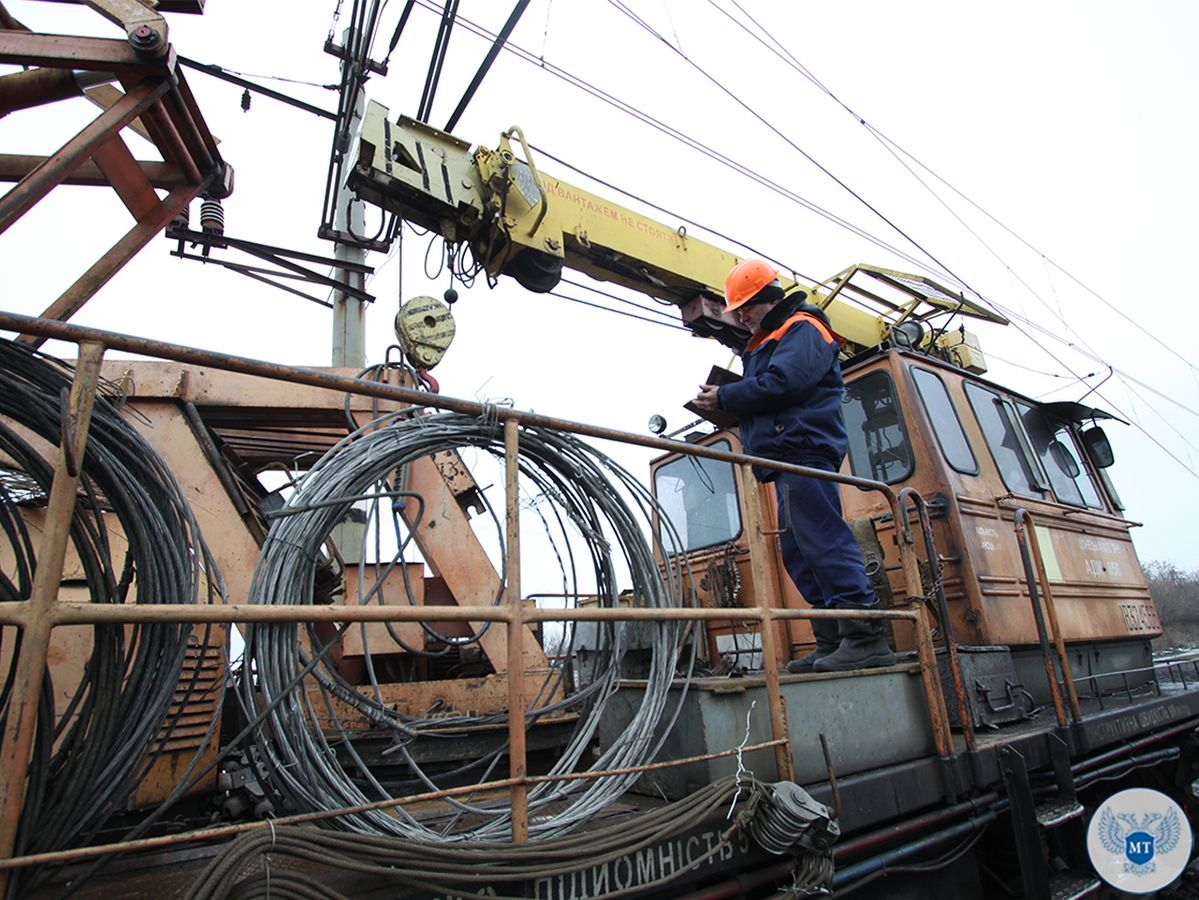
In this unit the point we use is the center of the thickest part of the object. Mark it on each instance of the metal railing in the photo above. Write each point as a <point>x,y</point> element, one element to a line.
<point>1045,612</point>
<point>43,612</point>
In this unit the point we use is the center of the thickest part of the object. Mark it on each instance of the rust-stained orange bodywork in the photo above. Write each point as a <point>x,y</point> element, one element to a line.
<point>1093,576</point>
<point>1098,587</point>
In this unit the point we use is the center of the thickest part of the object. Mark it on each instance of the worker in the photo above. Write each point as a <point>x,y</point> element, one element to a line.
<point>788,402</point>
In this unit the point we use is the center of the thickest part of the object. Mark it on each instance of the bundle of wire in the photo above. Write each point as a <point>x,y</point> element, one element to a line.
<point>304,762</point>
<point>282,862</point>
<point>90,756</point>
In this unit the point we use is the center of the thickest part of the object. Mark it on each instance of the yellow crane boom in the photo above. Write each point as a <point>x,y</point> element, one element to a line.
<point>528,224</point>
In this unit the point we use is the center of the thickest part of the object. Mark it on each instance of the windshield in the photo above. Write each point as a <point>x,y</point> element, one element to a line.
<point>699,497</point>
<point>1006,441</point>
<point>878,440</point>
<point>1055,446</point>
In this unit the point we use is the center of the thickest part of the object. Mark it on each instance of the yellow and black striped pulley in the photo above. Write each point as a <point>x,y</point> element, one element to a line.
<point>425,328</point>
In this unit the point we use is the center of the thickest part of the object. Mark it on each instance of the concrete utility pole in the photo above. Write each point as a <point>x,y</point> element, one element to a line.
<point>349,312</point>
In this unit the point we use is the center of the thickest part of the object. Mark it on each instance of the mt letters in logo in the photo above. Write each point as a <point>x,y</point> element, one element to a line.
<point>1139,840</point>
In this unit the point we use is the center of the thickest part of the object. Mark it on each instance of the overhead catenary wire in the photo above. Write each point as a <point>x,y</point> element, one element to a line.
<point>619,312</point>
<point>745,170</point>
<point>622,7</point>
<point>678,135</point>
<point>1193,471</point>
<point>899,153</point>
<point>629,109</point>
<point>361,16</point>
<point>749,173</point>
<point>949,272</point>
<point>896,149</point>
<point>732,95</point>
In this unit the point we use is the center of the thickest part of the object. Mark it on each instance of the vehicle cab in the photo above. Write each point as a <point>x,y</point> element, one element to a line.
<point>985,460</point>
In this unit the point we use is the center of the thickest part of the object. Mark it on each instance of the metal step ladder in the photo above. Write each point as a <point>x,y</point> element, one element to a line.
<point>1032,820</point>
<point>1057,810</point>
<point>1069,885</point>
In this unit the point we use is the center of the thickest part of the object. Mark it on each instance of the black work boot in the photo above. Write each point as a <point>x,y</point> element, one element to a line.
<point>828,638</point>
<point>863,646</point>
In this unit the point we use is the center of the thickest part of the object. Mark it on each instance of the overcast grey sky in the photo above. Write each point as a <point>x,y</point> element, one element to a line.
<point>1071,123</point>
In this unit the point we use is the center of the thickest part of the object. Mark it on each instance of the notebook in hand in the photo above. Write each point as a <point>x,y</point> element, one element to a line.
<point>719,417</point>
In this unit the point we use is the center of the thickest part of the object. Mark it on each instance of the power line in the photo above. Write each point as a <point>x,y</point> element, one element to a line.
<point>661,312</point>
<point>746,171</point>
<point>618,312</point>
<point>680,136</point>
<point>1091,355</point>
<point>618,4</point>
<point>896,150</point>
<point>664,211</point>
<point>891,144</point>
<point>891,147</point>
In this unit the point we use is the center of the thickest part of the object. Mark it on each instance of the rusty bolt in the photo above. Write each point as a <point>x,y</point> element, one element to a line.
<point>144,38</point>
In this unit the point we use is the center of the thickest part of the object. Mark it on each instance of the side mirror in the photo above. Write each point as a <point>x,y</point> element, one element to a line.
<point>1098,447</point>
<point>1064,459</point>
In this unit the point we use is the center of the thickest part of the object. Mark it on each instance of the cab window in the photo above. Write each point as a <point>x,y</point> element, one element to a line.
<point>699,498</point>
<point>946,425</point>
<point>1007,442</point>
<point>878,441</point>
<point>1055,446</point>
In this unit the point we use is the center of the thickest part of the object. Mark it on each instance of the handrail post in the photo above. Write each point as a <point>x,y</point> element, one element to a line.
<point>779,729</point>
<point>21,726</point>
<point>517,759</point>
<point>951,647</point>
<point>930,675</point>
<point>938,714</point>
<point>1043,609</point>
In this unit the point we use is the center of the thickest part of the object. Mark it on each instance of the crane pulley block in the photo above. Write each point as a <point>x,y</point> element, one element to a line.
<point>425,328</point>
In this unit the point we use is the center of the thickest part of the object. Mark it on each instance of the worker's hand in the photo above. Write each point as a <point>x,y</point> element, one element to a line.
<point>706,399</point>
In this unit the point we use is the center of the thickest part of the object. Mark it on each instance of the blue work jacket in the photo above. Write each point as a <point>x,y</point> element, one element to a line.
<point>789,397</point>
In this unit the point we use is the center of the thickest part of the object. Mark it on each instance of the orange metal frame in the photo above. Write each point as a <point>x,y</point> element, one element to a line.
<point>156,93</point>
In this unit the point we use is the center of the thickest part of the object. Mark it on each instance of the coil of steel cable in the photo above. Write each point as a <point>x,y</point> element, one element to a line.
<point>600,501</point>
<point>89,757</point>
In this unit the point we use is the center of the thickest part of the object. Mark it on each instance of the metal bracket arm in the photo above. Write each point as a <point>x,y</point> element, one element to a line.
<point>146,28</point>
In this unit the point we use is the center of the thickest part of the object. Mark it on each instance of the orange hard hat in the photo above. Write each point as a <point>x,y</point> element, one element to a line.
<point>746,281</point>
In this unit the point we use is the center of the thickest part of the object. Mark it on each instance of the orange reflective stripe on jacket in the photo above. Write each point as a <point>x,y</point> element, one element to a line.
<point>759,339</point>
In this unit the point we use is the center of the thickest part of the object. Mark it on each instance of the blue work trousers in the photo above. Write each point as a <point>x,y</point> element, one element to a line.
<point>819,550</point>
